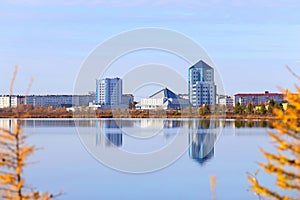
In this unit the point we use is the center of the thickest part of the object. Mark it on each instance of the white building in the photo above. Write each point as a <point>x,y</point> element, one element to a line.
<point>109,91</point>
<point>164,99</point>
<point>183,96</point>
<point>225,100</point>
<point>202,88</point>
<point>8,101</point>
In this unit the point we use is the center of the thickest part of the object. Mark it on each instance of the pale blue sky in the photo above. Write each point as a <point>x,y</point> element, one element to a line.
<point>249,41</point>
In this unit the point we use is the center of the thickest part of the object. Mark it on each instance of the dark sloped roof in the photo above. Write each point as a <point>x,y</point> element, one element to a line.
<point>166,93</point>
<point>200,64</point>
<point>170,98</point>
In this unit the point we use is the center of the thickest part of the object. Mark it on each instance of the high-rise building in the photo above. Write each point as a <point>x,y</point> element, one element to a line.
<point>202,88</point>
<point>109,91</point>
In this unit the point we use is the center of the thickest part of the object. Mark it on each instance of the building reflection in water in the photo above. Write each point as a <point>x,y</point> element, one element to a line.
<point>7,124</point>
<point>202,137</point>
<point>159,124</point>
<point>202,134</point>
<point>109,132</point>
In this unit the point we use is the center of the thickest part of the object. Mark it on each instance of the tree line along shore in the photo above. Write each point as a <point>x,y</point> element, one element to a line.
<point>238,112</point>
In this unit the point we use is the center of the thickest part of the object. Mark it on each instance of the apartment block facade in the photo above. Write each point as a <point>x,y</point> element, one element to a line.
<point>8,101</point>
<point>258,98</point>
<point>202,88</point>
<point>109,91</point>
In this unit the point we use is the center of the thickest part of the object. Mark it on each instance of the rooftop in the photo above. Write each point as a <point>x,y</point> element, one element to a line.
<point>164,93</point>
<point>260,94</point>
<point>200,64</point>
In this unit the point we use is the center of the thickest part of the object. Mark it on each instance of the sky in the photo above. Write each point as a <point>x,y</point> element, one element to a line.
<point>250,42</point>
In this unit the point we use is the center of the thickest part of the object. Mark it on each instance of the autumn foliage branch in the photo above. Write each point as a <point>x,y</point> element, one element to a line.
<point>13,159</point>
<point>285,163</point>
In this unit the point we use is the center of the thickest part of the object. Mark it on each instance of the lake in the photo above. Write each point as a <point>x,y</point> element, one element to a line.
<point>145,158</point>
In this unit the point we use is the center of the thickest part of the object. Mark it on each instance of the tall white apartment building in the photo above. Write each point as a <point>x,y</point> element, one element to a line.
<point>109,91</point>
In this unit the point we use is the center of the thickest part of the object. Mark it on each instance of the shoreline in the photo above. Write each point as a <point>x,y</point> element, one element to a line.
<point>208,116</point>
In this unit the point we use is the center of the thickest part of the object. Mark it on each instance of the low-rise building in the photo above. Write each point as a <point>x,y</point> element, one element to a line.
<point>164,99</point>
<point>127,99</point>
<point>183,96</point>
<point>225,100</point>
<point>59,100</point>
<point>49,100</point>
<point>8,101</point>
<point>257,98</point>
<point>83,100</point>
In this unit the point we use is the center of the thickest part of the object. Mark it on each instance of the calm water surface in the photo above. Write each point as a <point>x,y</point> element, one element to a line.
<point>65,164</point>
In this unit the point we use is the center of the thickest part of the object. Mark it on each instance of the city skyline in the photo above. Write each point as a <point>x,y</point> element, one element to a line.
<point>143,99</point>
<point>250,42</point>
